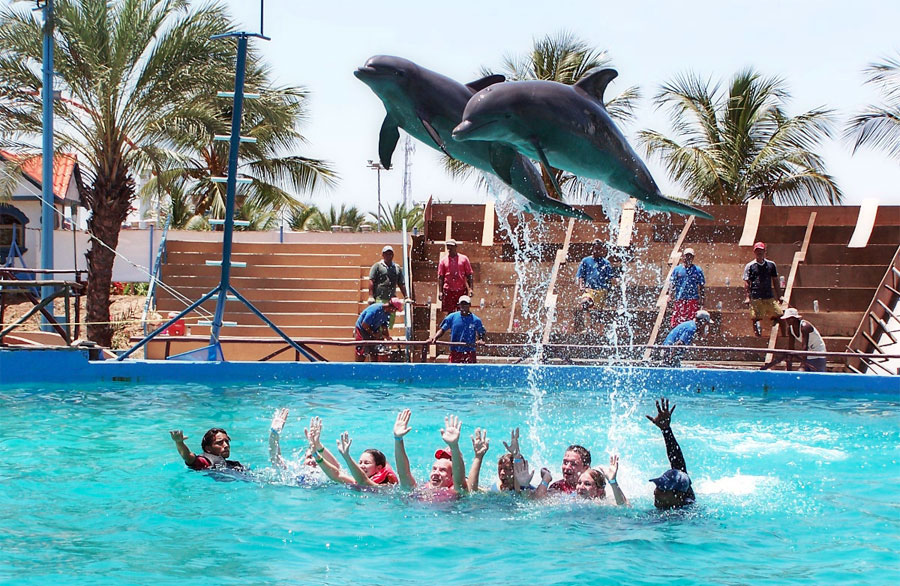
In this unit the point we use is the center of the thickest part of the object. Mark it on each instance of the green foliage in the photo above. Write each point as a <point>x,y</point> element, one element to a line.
<point>392,218</point>
<point>736,143</point>
<point>878,126</point>
<point>312,218</point>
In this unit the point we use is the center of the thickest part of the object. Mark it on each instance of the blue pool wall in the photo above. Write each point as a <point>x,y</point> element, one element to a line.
<point>27,367</point>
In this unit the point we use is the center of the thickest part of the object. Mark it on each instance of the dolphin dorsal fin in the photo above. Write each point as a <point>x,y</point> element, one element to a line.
<point>595,82</point>
<point>480,84</point>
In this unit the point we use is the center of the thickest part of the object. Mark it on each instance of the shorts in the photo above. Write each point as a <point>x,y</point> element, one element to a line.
<point>450,299</point>
<point>462,357</point>
<point>598,296</point>
<point>360,335</point>
<point>815,364</point>
<point>760,308</point>
<point>683,310</point>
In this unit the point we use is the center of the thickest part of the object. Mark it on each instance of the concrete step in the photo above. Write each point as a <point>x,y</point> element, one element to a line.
<point>241,282</point>
<point>283,271</point>
<point>267,306</point>
<point>195,257</point>
<point>271,294</point>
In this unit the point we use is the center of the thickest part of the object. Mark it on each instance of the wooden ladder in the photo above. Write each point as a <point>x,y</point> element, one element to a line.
<point>875,330</point>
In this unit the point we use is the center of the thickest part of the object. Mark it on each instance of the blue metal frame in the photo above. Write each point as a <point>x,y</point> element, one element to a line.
<point>224,287</point>
<point>47,209</point>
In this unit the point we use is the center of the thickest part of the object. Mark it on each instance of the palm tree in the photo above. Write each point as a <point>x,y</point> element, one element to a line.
<point>134,70</point>
<point>563,58</point>
<point>337,217</point>
<point>737,144</point>
<point>879,126</point>
<point>301,216</point>
<point>392,217</point>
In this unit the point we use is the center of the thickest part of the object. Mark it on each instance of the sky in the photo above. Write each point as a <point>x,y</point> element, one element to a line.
<point>819,48</point>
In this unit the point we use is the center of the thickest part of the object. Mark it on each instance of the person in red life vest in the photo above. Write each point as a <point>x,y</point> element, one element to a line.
<point>576,461</point>
<point>592,483</point>
<point>464,326</point>
<point>216,447</point>
<point>454,278</point>
<point>448,472</point>
<point>371,470</point>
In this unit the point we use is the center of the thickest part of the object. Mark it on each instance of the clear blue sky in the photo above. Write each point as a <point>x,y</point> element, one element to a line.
<point>819,47</point>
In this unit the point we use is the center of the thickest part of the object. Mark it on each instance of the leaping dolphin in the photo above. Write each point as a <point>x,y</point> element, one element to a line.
<point>566,127</point>
<point>428,106</point>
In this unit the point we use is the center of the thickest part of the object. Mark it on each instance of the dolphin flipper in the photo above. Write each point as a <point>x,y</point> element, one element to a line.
<point>502,159</point>
<point>548,169</point>
<point>387,141</point>
<point>480,84</point>
<point>434,135</point>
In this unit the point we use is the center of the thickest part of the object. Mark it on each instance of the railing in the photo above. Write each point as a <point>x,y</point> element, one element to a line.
<point>11,283</point>
<point>880,311</point>
<point>154,277</point>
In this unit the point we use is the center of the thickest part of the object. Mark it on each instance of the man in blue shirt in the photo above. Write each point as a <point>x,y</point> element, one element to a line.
<point>594,277</point>
<point>686,289</point>
<point>465,327</point>
<point>683,335</point>
<point>372,324</point>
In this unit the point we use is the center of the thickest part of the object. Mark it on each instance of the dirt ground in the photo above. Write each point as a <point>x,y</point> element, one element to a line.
<point>125,313</point>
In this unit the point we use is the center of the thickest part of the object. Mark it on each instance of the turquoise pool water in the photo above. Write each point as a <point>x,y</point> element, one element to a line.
<point>792,488</point>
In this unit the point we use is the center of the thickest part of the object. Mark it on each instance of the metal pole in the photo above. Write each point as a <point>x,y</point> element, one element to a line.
<point>233,152</point>
<point>378,172</point>
<point>47,197</point>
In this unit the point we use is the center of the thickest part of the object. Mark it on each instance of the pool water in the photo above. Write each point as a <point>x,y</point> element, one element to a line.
<point>798,488</point>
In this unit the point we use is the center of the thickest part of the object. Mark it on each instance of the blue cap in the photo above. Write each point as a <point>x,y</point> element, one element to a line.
<point>674,480</point>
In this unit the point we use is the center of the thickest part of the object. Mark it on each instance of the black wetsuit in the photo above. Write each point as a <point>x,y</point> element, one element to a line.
<point>676,460</point>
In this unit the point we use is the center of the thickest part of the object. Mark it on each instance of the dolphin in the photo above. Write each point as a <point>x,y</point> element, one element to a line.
<point>566,127</point>
<point>428,105</point>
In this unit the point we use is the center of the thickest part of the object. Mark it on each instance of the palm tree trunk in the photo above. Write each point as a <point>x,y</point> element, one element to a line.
<point>109,205</point>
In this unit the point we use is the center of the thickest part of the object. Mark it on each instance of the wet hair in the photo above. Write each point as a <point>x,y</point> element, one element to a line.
<point>505,460</point>
<point>378,456</point>
<point>209,437</point>
<point>581,451</point>
<point>599,479</point>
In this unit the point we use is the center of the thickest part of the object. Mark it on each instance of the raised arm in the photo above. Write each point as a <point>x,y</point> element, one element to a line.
<point>185,452</point>
<point>450,435</point>
<point>314,435</point>
<point>663,422</point>
<point>480,444</point>
<point>358,476</point>
<point>610,474</point>
<point>401,428</point>
<point>278,421</point>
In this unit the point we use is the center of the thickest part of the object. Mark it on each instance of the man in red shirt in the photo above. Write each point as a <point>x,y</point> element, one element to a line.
<point>454,278</point>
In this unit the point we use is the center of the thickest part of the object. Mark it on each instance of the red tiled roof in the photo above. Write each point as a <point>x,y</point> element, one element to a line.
<point>63,167</point>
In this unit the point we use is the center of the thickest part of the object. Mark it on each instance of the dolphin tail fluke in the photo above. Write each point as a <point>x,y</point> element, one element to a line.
<point>665,204</point>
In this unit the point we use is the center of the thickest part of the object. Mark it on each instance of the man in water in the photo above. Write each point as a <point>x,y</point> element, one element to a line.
<point>216,447</point>
<point>686,288</point>
<point>576,460</point>
<point>464,326</point>
<point>448,473</point>
<point>762,288</point>
<point>372,324</point>
<point>683,335</point>
<point>800,330</point>
<point>673,487</point>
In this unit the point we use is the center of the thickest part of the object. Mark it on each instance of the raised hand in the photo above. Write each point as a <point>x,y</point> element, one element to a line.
<point>450,432</point>
<point>401,426</point>
<point>546,476</point>
<point>178,436</point>
<point>314,433</point>
<point>664,414</point>
<point>613,469</point>
<point>521,471</point>
<point>343,444</point>
<point>513,446</point>
<point>279,419</point>
<point>480,442</point>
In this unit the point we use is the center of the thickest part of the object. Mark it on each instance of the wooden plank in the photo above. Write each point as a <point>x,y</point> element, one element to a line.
<point>884,327</point>
<point>662,301</point>
<point>550,300</point>
<point>512,309</point>
<point>865,221</point>
<point>626,224</point>
<point>883,292</point>
<point>448,227</point>
<point>751,222</point>
<point>487,230</point>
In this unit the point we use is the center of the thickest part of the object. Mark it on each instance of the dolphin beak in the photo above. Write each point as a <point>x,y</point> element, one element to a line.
<point>365,71</point>
<point>463,129</point>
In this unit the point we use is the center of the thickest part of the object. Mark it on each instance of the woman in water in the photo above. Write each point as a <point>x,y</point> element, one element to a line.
<point>592,483</point>
<point>371,470</point>
<point>448,472</point>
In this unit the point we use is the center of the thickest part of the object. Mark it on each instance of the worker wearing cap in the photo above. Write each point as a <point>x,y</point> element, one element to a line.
<point>761,286</point>
<point>384,278</point>
<point>454,278</point>
<point>464,326</point>
<point>683,335</point>
<point>595,275</point>
<point>686,289</point>
<point>372,324</point>
<point>800,330</point>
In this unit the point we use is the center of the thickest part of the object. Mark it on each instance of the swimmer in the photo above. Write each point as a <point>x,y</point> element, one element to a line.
<point>329,464</point>
<point>673,487</point>
<point>216,447</point>
<point>576,460</point>
<point>303,473</point>
<point>513,473</point>
<point>372,469</point>
<point>592,483</point>
<point>448,473</point>
<point>480,445</point>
